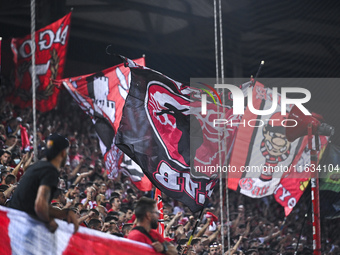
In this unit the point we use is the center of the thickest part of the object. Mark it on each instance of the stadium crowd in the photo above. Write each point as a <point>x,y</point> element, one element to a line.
<point>106,205</point>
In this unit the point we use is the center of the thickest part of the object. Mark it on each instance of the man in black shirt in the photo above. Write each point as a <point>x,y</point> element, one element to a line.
<point>34,193</point>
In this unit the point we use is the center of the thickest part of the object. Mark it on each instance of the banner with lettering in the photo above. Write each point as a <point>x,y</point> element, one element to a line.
<point>159,132</point>
<point>51,45</point>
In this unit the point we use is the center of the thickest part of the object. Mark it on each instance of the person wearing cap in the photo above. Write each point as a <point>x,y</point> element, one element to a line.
<point>34,193</point>
<point>214,248</point>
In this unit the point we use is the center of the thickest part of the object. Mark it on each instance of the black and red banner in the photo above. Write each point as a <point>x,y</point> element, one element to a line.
<point>156,130</point>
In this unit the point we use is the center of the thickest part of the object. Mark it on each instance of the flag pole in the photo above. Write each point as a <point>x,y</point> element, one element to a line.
<point>195,227</point>
<point>315,190</point>
<point>35,145</point>
<point>258,72</point>
<point>217,81</point>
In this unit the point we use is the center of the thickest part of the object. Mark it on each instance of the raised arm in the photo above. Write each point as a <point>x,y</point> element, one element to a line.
<point>204,228</point>
<point>172,222</point>
<point>28,161</point>
<point>76,169</point>
<point>47,213</point>
<point>81,176</point>
<point>17,167</point>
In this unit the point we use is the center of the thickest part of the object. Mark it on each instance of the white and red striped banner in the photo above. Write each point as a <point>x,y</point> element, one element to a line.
<point>22,234</point>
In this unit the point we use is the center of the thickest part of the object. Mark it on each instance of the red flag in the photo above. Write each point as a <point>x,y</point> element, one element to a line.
<point>102,96</point>
<point>25,143</point>
<point>266,162</point>
<point>159,199</point>
<point>51,44</point>
<point>291,188</point>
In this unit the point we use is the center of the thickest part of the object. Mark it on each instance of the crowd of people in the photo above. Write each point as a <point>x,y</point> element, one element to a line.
<point>114,206</point>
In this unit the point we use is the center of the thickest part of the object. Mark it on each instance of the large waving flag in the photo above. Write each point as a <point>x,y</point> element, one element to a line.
<point>161,130</point>
<point>266,162</point>
<point>51,46</point>
<point>102,96</point>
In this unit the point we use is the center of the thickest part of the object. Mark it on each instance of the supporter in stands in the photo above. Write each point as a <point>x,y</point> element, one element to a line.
<point>3,173</point>
<point>197,246</point>
<point>257,221</point>
<point>2,198</point>
<point>11,142</point>
<point>95,224</point>
<point>147,221</point>
<point>10,179</point>
<point>115,202</point>
<point>34,193</point>
<point>90,201</point>
<point>121,219</point>
<point>129,214</point>
<point>126,229</point>
<point>59,197</point>
<point>5,158</point>
<point>2,133</point>
<point>13,127</point>
<point>110,226</point>
<point>74,156</point>
<point>214,249</point>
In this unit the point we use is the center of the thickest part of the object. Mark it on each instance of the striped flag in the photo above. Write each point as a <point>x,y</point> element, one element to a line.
<point>22,234</point>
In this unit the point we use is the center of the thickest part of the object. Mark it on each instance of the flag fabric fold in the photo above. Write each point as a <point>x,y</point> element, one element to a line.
<point>25,142</point>
<point>266,162</point>
<point>160,133</point>
<point>102,96</point>
<point>51,46</point>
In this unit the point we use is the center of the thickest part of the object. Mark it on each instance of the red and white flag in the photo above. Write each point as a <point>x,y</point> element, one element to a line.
<point>51,45</point>
<point>159,199</point>
<point>25,142</point>
<point>22,234</point>
<point>102,96</point>
<point>265,162</point>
